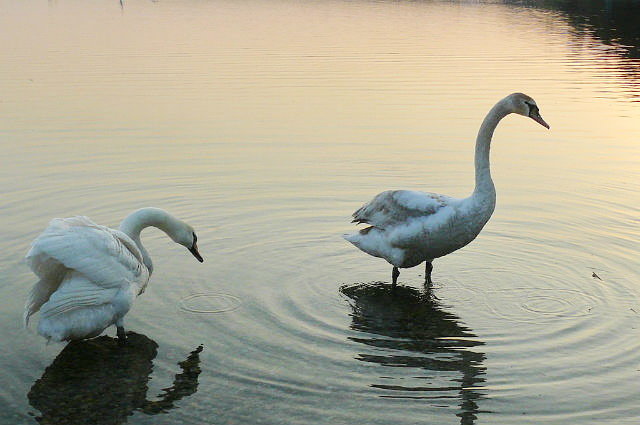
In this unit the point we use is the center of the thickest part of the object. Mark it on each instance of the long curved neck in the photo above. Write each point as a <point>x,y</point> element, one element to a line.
<point>138,220</point>
<point>484,184</point>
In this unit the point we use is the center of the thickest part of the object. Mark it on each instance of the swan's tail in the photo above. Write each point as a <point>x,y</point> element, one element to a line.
<point>350,237</point>
<point>357,237</point>
<point>369,240</point>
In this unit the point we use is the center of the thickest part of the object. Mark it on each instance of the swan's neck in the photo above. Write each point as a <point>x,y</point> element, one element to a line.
<point>138,220</point>
<point>484,184</point>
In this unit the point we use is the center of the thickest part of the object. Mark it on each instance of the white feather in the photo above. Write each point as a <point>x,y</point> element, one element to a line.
<point>91,274</point>
<point>409,227</point>
<point>82,267</point>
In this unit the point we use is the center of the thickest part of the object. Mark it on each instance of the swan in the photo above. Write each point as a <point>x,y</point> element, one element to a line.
<point>91,274</point>
<point>408,227</point>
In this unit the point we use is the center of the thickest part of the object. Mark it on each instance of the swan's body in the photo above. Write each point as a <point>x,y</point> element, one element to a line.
<point>410,227</point>
<point>91,274</point>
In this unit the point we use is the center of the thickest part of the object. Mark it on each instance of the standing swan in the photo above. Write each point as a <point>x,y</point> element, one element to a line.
<point>408,227</point>
<point>90,274</point>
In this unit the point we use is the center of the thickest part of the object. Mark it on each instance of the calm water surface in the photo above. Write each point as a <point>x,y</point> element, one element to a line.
<point>264,124</point>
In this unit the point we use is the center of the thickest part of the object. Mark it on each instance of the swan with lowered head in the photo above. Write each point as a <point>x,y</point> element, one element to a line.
<point>408,227</point>
<point>90,274</point>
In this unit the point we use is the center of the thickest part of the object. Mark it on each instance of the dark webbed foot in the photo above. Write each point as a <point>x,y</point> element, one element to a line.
<point>427,273</point>
<point>122,337</point>
<point>394,277</point>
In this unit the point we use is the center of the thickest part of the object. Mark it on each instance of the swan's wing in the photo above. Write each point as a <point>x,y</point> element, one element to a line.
<point>106,257</point>
<point>81,309</point>
<point>39,294</point>
<point>101,254</point>
<point>397,206</point>
<point>77,292</point>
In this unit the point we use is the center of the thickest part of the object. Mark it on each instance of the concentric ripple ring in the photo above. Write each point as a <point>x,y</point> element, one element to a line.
<point>219,303</point>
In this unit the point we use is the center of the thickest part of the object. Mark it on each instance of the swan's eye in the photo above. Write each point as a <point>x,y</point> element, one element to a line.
<point>195,238</point>
<point>533,109</point>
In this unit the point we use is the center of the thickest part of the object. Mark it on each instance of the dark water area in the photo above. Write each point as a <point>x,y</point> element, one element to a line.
<point>614,22</point>
<point>417,332</point>
<point>100,381</point>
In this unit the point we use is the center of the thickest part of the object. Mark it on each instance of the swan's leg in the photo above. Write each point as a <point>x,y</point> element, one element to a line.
<point>427,273</point>
<point>394,276</point>
<point>122,337</point>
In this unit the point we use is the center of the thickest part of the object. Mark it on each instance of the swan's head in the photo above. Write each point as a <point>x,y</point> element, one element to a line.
<point>179,231</point>
<point>522,104</point>
<point>186,236</point>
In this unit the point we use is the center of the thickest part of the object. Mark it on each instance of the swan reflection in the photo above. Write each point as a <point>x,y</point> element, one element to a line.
<point>100,382</point>
<point>413,330</point>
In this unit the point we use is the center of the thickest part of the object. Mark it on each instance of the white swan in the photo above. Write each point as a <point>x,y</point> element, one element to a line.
<point>90,274</point>
<point>409,227</point>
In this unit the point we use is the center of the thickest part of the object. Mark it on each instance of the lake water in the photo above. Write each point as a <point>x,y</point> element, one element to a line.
<point>265,124</point>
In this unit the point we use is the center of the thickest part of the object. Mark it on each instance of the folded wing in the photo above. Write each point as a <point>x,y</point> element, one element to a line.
<point>394,207</point>
<point>104,257</point>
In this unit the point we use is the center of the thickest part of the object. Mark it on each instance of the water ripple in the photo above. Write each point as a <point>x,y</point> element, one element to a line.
<point>209,303</point>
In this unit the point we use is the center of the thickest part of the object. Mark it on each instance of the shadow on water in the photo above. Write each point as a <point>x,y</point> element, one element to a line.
<point>413,330</point>
<point>99,382</point>
<point>612,22</point>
